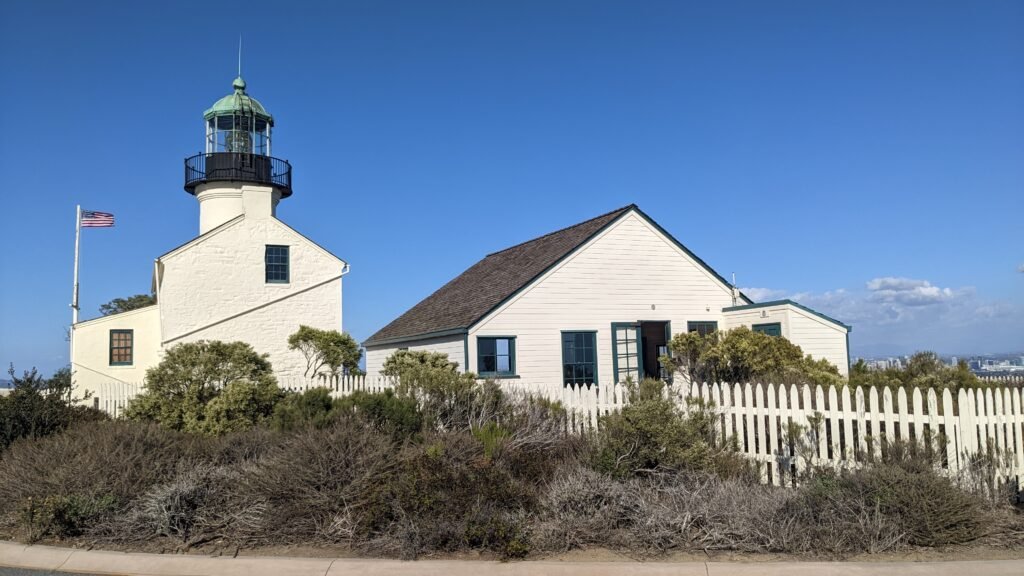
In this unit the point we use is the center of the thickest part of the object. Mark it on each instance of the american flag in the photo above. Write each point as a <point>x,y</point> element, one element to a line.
<point>93,219</point>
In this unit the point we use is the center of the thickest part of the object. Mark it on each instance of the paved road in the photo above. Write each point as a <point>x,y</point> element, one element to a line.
<point>45,559</point>
<point>26,572</point>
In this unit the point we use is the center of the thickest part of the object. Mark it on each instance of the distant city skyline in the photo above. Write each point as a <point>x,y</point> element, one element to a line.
<point>864,159</point>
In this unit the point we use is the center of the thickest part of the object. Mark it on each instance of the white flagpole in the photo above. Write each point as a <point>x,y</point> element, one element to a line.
<point>74,296</point>
<point>78,234</point>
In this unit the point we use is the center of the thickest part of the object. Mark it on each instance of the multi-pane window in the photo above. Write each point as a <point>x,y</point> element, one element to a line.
<point>276,262</point>
<point>496,356</point>
<point>121,343</point>
<point>626,344</point>
<point>772,329</point>
<point>579,358</point>
<point>702,327</point>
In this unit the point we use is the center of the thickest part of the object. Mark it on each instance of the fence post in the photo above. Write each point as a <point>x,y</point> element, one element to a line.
<point>903,413</point>
<point>862,446</point>
<point>748,420</point>
<point>876,424</point>
<point>763,449</point>
<point>819,407</point>
<point>1017,423</point>
<point>772,436</point>
<point>949,423</point>
<point>917,421</point>
<point>888,416</point>
<point>999,421</point>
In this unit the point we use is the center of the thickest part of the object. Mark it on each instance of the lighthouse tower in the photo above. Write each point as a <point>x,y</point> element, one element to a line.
<point>236,174</point>
<point>247,277</point>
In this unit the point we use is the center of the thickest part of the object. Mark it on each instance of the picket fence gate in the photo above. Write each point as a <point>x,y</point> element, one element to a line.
<point>782,428</point>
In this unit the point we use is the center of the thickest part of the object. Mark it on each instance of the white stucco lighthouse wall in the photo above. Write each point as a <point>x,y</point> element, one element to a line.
<point>215,288</point>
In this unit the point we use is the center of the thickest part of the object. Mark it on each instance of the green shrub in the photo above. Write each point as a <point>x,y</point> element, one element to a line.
<point>397,416</point>
<point>183,392</point>
<point>64,516</point>
<point>241,405</point>
<point>310,408</point>
<point>503,533</point>
<point>38,407</point>
<point>924,370</point>
<point>406,363</point>
<point>652,434</point>
<point>742,355</point>
<point>492,437</point>
<point>326,350</point>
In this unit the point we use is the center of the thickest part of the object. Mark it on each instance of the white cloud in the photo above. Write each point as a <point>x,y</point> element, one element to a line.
<point>1020,268</point>
<point>909,292</point>
<point>763,294</point>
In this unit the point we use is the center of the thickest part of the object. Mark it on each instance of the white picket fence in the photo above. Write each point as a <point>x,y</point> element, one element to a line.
<point>113,397</point>
<point>843,426</point>
<point>839,426</point>
<point>1006,379</point>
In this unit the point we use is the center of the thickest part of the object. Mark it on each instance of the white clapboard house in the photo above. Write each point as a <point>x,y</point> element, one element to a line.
<point>248,276</point>
<point>593,303</point>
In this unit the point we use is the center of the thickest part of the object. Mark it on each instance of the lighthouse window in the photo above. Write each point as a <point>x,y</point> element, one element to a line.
<point>121,342</point>
<point>276,261</point>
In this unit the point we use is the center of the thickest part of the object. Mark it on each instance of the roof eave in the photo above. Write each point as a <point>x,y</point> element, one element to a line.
<point>422,336</point>
<point>791,303</point>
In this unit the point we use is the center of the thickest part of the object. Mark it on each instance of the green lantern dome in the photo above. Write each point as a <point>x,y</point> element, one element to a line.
<point>238,138</point>
<point>238,104</point>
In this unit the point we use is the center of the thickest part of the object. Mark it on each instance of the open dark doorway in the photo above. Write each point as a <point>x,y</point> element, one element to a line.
<point>654,337</point>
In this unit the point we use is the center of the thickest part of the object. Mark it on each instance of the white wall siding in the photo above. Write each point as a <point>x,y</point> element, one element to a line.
<point>627,273</point>
<point>819,338</point>
<point>752,316</point>
<point>453,346</point>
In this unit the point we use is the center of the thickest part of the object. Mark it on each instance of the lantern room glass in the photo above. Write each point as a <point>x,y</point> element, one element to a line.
<point>238,133</point>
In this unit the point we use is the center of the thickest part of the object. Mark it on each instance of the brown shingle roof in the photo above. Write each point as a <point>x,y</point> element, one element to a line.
<point>471,295</point>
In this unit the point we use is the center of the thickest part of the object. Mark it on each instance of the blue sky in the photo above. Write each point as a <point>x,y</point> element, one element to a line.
<point>866,158</point>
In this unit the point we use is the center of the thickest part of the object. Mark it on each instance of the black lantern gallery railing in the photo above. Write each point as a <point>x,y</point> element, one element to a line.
<point>238,167</point>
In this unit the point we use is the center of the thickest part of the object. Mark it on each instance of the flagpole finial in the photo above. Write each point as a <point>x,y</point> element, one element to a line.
<point>239,54</point>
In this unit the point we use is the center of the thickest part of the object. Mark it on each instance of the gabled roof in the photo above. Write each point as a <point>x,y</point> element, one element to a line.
<point>791,303</point>
<point>221,227</point>
<point>205,235</point>
<point>118,315</point>
<point>464,301</point>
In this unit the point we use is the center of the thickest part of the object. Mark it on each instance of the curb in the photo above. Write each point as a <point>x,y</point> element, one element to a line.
<point>52,558</point>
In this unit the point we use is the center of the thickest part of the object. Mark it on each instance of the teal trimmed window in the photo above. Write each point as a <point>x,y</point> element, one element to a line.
<point>579,358</point>
<point>702,327</point>
<point>122,347</point>
<point>496,355</point>
<point>627,359</point>
<point>771,329</point>
<point>276,262</point>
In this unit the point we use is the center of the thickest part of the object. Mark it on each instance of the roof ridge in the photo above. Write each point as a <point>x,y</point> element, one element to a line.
<point>577,225</point>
